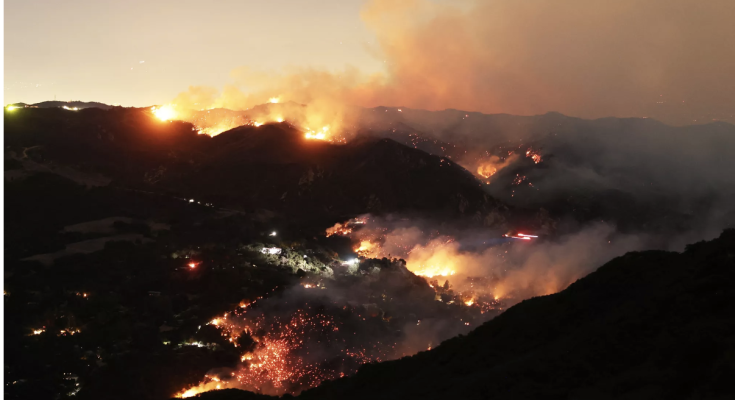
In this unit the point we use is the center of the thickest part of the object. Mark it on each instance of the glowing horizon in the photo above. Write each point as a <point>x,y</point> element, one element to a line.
<point>670,60</point>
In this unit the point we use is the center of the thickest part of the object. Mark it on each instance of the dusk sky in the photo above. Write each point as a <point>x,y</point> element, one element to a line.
<point>672,60</point>
<point>92,49</point>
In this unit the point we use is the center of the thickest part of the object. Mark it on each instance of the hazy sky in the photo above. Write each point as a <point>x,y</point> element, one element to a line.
<point>672,60</point>
<point>85,49</point>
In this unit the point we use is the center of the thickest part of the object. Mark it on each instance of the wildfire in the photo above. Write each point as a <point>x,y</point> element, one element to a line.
<point>365,248</point>
<point>319,135</point>
<point>290,351</point>
<point>280,362</point>
<point>339,229</point>
<point>486,171</point>
<point>432,271</point>
<point>164,113</point>
<point>316,122</point>
<point>209,383</point>
<point>345,228</point>
<point>490,166</point>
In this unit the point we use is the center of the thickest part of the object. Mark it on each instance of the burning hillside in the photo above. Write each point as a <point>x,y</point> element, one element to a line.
<point>328,325</point>
<point>290,353</point>
<point>316,122</point>
<point>500,264</point>
<point>378,307</point>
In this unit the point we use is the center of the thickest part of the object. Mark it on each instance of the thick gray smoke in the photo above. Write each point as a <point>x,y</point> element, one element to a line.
<point>639,174</point>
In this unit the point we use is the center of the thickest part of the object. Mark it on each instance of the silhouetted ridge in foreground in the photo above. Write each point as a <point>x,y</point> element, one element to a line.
<point>647,325</point>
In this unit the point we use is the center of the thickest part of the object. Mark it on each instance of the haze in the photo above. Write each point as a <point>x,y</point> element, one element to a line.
<point>672,60</point>
<point>92,49</point>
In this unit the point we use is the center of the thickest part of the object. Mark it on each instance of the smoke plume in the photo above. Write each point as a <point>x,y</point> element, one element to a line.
<point>484,261</point>
<point>673,60</point>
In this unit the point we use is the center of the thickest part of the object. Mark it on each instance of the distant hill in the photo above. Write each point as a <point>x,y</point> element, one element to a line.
<point>72,104</point>
<point>647,325</point>
<point>275,166</point>
<point>269,167</point>
<point>636,172</point>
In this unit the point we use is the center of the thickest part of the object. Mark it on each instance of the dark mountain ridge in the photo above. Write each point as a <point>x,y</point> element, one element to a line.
<point>270,167</point>
<point>72,104</point>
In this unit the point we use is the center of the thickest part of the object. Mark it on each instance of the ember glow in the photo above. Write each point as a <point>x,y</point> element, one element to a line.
<point>209,383</point>
<point>518,179</point>
<point>285,355</point>
<point>535,155</point>
<point>488,167</point>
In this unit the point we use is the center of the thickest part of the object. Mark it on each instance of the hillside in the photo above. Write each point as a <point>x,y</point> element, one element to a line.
<point>636,172</point>
<point>645,325</point>
<point>271,167</point>
<point>72,104</point>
